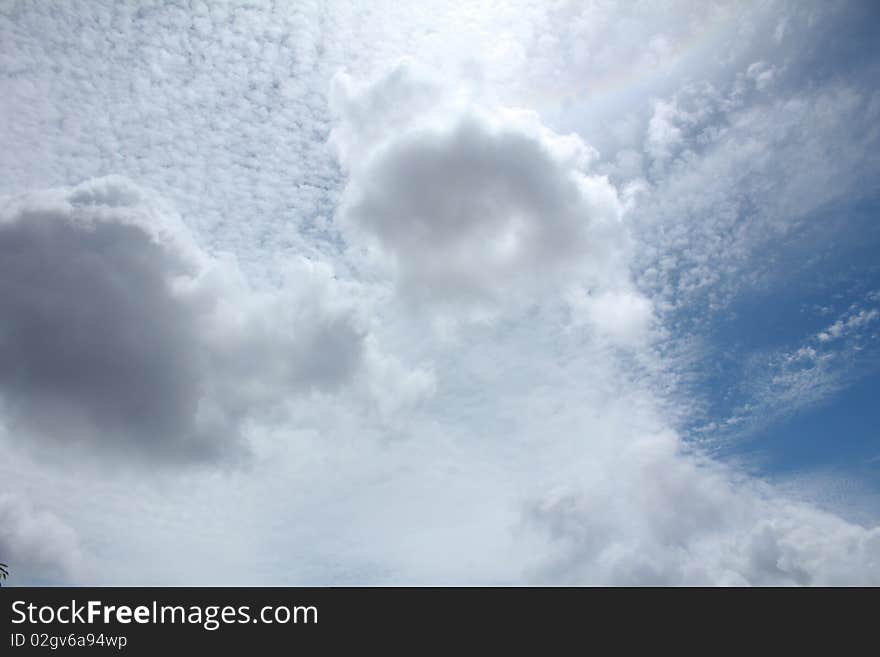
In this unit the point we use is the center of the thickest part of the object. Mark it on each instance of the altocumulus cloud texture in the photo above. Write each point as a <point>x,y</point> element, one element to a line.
<point>327,294</point>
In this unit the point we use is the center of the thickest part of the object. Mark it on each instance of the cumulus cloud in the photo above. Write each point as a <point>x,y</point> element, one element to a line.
<point>118,333</point>
<point>776,545</point>
<point>667,518</point>
<point>471,204</point>
<point>95,343</point>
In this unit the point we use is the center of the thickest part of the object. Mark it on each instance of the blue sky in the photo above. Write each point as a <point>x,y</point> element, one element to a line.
<point>828,271</point>
<point>443,292</point>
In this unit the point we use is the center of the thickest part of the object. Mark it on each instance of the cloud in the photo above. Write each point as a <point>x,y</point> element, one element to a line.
<point>663,135</point>
<point>777,384</point>
<point>118,334</point>
<point>39,548</point>
<point>745,175</point>
<point>471,205</point>
<point>666,518</point>
<point>529,449</point>
<point>623,316</point>
<point>853,321</point>
<point>95,343</point>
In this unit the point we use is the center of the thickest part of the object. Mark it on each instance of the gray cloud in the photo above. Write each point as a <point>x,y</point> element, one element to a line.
<point>93,342</point>
<point>117,334</point>
<point>472,204</point>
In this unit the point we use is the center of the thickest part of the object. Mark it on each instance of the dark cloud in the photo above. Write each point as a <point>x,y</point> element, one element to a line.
<point>94,344</point>
<point>112,337</point>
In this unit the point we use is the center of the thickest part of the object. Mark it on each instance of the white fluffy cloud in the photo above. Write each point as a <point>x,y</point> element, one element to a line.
<point>659,517</point>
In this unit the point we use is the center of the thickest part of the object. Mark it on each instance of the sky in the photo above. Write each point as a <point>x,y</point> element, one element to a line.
<point>508,293</point>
